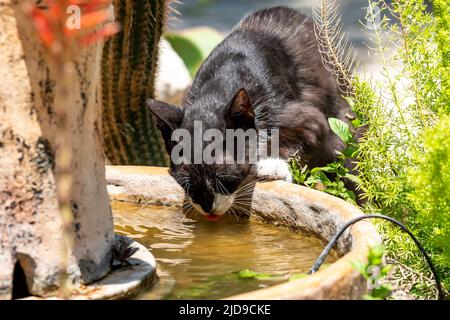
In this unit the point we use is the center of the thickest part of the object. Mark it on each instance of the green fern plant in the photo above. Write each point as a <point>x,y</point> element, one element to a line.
<point>337,53</point>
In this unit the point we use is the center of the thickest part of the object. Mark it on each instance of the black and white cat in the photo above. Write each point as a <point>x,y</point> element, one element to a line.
<point>267,74</point>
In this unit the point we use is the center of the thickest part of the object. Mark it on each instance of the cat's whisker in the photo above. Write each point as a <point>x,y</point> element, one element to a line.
<point>246,205</point>
<point>248,186</point>
<point>186,204</point>
<point>243,196</point>
<point>240,208</point>
<point>224,175</point>
<point>163,210</point>
<point>232,211</point>
<point>247,198</point>
<point>191,211</point>
<point>146,204</point>
<point>185,215</point>
<point>223,188</point>
<point>237,216</point>
<point>246,201</point>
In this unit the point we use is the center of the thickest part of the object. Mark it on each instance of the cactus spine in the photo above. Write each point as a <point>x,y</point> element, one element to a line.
<point>128,77</point>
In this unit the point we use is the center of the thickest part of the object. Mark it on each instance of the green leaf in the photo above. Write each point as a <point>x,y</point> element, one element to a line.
<point>370,297</point>
<point>356,123</point>
<point>353,178</point>
<point>268,277</point>
<point>350,102</point>
<point>341,129</point>
<point>351,149</point>
<point>385,270</point>
<point>299,173</point>
<point>249,274</point>
<point>189,52</point>
<point>194,45</point>
<point>297,276</point>
<point>376,255</point>
<point>360,267</point>
<point>329,169</point>
<point>382,292</point>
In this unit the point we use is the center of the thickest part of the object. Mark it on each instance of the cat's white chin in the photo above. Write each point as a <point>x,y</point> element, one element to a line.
<point>222,203</point>
<point>274,168</point>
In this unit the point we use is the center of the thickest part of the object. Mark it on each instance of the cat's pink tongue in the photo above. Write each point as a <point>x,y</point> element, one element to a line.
<point>212,217</point>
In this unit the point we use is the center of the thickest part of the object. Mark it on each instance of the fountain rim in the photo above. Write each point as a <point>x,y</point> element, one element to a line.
<point>338,281</point>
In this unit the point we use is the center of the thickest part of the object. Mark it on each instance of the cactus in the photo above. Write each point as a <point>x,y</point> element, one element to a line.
<point>128,76</point>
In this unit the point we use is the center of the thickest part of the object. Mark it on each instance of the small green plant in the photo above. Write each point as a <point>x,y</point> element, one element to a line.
<point>401,158</point>
<point>431,194</point>
<point>331,177</point>
<point>342,130</point>
<point>374,271</point>
<point>297,276</point>
<point>250,274</point>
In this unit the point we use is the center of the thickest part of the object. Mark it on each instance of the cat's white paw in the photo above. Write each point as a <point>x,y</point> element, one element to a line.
<point>277,169</point>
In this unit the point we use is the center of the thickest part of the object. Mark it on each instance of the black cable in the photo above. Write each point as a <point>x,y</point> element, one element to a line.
<point>333,241</point>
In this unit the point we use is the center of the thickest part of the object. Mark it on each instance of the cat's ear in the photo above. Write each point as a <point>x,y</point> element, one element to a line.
<point>240,112</point>
<point>168,118</point>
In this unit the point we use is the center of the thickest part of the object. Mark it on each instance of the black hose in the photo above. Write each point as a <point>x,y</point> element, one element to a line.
<point>332,243</point>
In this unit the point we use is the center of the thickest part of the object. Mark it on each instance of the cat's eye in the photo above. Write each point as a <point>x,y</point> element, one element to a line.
<point>230,185</point>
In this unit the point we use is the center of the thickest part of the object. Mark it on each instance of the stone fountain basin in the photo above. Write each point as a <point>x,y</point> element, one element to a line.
<point>282,204</point>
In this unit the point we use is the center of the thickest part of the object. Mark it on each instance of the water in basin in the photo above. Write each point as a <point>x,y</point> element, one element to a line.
<point>199,259</point>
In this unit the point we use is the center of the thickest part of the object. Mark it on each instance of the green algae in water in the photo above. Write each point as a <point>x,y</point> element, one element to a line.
<point>199,259</point>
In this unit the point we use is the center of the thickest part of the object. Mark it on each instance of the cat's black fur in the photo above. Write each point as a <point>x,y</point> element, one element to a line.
<point>273,55</point>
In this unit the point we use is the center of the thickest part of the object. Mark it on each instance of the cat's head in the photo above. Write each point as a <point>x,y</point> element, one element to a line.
<point>212,185</point>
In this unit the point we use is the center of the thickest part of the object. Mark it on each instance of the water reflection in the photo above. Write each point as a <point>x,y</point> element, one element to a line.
<point>201,259</point>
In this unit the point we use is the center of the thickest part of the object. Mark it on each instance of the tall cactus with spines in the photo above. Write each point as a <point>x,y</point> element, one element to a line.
<point>128,78</point>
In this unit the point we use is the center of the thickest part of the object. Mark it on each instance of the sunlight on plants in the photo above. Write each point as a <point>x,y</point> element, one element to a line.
<point>404,154</point>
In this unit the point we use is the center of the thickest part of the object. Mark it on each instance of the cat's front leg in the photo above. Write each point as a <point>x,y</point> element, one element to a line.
<point>275,169</point>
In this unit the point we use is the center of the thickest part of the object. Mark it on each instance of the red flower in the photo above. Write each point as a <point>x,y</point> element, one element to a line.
<point>51,20</point>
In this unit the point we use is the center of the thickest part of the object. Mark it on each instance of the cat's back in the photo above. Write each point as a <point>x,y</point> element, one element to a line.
<point>294,32</point>
<point>272,53</point>
<point>275,20</point>
<point>288,25</point>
